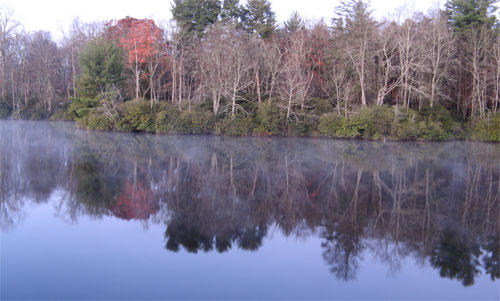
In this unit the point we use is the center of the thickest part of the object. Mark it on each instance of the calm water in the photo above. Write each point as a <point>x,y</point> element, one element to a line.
<point>88,215</point>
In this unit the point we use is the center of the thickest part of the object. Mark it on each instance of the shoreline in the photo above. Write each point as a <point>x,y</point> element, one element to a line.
<point>319,137</point>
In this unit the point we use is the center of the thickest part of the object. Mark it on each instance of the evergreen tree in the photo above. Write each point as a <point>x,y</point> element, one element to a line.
<point>196,15</point>
<point>294,23</point>
<point>260,18</point>
<point>102,65</point>
<point>471,14</point>
<point>232,12</point>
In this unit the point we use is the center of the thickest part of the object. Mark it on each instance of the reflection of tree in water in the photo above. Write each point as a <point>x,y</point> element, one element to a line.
<point>491,259</point>
<point>207,209</point>
<point>30,168</point>
<point>435,202</point>
<point>342,252</point>
<point>134,202</point>
<point>454,258</point>
<point>94,190</point>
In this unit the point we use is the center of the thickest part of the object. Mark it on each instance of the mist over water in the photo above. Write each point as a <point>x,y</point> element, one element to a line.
<point>92,215</point>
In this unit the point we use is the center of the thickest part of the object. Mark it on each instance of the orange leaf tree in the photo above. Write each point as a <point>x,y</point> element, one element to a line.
<point>143,43</point>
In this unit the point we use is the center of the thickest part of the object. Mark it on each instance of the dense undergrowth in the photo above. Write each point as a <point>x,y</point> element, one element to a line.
<point>266,119</point>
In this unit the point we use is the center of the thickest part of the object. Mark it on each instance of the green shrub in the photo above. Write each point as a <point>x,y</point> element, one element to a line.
<point>375,122</point>
<point>166,120</point>
<point>62,113</point>
<point>249,106</point>
<point>305,126</point>
<point>136,115</point>
<point>405,130</point>
<point>58,115</point>
<point>5,109</point>
<point>96,121</point>
<point>34,111</point>
<point>192,122</point>
<point>449,122</point>
<point>320,106</point>
<point>239,125</point>
<point>353,127</point>
<point>370,123</point>
<point>436,113</point>
<point>35,114</point>
<point>172,121</point>
<point>298,128</point>
<point>334,126</point>
<point>431,130</point>
<point>271,119</point>
<point>79,108</point>
<point>487,129</point>
<point>329,124</point>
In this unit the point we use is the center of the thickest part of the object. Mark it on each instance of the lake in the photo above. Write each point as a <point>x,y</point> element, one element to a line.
<point>91,215</point>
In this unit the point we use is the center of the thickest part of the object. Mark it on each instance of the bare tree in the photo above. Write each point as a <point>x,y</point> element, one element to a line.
<point>45,64</point>
<point>213,65</point>
<point>73,42</point>
<point>338,85</point>
<point>496,57</point>
<point>225,65</point>
<point>409,53</point>
<point>181,67</point>
<point>388,64</point>
<point>8,27</point>
<point>438,45</point>
<point>177,52</point>
<point>239,64</point>
<point>158,62</point>
<point>295,78</point>
<point>271,61</point>
<point>477,62</point>
<point>359,29</point>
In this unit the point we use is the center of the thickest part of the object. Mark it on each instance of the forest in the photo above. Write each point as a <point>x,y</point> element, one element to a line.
<point>225,67</point>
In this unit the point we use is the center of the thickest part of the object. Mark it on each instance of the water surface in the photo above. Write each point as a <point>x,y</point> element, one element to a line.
<point>90,215</point>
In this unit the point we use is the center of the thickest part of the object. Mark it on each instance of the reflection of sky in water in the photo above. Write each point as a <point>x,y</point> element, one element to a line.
<point>62,243</point>
<point>47,258</point>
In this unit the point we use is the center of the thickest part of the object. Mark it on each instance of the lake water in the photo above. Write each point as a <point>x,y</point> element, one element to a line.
<point>90,215</point>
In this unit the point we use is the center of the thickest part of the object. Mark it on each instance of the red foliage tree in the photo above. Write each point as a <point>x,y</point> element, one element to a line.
<point>143,43</point>
<point>135,202</point>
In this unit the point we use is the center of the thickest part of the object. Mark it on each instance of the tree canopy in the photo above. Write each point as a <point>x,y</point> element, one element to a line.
<point>102,65</point>
<point>471,14</point>
<point>196,15</point>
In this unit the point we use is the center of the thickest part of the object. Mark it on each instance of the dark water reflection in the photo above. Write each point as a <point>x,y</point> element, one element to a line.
<point>436,202</point>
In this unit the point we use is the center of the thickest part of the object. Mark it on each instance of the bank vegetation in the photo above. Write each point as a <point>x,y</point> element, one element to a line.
<point>230,68</point>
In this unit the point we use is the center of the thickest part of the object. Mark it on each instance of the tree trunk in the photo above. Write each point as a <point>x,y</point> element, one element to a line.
<point>257,80</point>
<point>180,79</point>
<point>137,73</point>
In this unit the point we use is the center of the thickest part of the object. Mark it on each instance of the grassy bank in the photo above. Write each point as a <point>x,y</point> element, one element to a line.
<point>266,119</point>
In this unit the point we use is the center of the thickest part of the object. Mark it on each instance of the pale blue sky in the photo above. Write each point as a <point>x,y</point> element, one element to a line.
<point>53,15</point>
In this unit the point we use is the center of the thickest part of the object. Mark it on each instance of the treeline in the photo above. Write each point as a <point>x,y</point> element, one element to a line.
<point>230,59</point>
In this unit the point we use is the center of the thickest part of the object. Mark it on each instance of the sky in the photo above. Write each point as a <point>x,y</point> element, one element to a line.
<point>56,15</point>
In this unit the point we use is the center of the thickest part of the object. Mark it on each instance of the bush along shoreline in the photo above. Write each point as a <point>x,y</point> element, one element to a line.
<point>268,119</point>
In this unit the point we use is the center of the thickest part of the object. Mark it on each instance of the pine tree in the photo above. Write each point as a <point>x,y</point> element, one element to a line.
<point>470,14</point>
<point>232,12</point>
<point>260,18</point>
<point>294,23</point>
<point>196,15</point>
<point>102,65</point>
